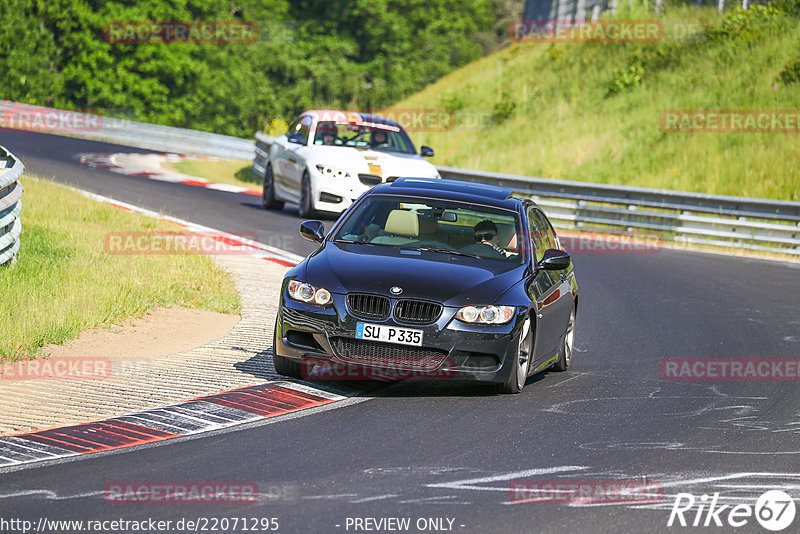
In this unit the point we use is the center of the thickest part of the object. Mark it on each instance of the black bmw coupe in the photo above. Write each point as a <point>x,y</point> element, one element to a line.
<point>438,278</point>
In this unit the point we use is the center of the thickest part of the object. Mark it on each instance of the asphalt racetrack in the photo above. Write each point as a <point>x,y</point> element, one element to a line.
<point>453,458</point>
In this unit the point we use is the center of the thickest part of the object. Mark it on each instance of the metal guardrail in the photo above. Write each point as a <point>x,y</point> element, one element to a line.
<point>737,222</point>
<point>123,131</point>
<point>694,218</point>
<point>11,169</point>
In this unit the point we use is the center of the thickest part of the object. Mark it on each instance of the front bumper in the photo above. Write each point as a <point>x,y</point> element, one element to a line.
<point>335,194</point>
<point>451,350</point>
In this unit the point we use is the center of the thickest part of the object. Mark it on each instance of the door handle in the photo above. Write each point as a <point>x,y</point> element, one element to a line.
<point>292,160</point>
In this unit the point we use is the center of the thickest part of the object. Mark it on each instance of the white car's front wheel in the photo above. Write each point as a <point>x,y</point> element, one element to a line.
<point>268,199</point>
<point>307,210</point>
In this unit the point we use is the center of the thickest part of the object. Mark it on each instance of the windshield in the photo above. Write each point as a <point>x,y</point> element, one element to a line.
<point>389,138</point>
<point>435,225</point>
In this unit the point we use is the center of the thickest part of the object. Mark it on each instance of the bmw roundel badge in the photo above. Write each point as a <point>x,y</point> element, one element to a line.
<point>396,290</point>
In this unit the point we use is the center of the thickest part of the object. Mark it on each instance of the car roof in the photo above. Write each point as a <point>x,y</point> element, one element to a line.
<point>347,116</point>
<point>443,188</point>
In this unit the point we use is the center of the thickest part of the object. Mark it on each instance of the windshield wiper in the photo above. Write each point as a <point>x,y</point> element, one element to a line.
<point>446,251</point>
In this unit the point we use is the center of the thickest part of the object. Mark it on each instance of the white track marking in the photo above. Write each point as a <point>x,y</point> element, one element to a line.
<point>471,483</point>
<point>378,498</point>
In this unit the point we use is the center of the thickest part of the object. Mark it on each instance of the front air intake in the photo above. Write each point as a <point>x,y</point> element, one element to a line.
<point>417,311</point>
<point>368,306</point>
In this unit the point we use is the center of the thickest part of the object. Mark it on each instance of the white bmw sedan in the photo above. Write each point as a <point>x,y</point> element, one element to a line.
<point>328,158</point>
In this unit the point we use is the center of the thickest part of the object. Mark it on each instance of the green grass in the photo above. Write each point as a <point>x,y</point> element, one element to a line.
<point>233,171</point>
<point>590,111</point>
<point>64,282</point>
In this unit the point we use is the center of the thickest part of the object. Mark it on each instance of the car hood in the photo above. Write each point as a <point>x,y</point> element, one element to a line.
<point>347,268</point>
<point>386,164</point>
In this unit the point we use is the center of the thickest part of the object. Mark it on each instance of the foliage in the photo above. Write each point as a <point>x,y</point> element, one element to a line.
<point>309,53</point>
<point>566,126</point>
<point>276,127</point>
<point>504,109</point>
<point>626,78</point>
<point>791,72</point>
<point>748,25</point>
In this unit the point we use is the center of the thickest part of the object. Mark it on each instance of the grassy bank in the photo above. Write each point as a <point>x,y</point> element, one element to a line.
<point>64,281</point>
<point>232,171</point>
<point>591,111</point>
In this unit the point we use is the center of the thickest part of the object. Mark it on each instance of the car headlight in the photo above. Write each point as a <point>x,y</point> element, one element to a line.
<point>332,172</point>
<point>485,314</point>
<point>308,293</point>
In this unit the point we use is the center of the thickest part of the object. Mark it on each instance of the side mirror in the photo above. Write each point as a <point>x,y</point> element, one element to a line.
<point>426,151</point>
<point>296,138</point>
<point>555,260</point>
<point>313,231</point>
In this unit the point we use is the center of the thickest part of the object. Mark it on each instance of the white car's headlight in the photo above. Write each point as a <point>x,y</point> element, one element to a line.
<point>308,293</point>
<point>485,314</point>
<point>332,172</point>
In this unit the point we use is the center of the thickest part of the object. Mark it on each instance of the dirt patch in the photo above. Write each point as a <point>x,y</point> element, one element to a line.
<point>159,332</point>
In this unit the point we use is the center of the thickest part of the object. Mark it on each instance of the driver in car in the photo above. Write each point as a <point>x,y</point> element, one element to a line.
<point>487,235</point>
<point>378,138</point>
<point>327,132</point>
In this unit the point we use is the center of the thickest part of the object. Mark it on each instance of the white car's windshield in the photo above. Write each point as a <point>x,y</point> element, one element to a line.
<point>389,139</point>
<point>435,225</point>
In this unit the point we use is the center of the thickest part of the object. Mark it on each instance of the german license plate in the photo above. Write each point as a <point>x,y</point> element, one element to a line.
<point>389,334</point>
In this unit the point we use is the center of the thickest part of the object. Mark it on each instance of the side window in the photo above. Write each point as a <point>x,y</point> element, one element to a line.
<point>292,127</point>
<point>542,233</point>
<point>304,128</point>
<point>537,234</point>
<point>552,240</point>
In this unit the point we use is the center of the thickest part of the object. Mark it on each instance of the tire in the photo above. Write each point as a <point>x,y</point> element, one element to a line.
<point>522,361</point>
<point>286,367</point>
<point>307,210</point>
<point>283,366</point>
<point>567,345</point>
<point>268,199</point>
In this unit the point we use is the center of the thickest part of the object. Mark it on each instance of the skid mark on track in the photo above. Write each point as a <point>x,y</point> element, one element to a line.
<point>660,489</point>
<point>678,446</point>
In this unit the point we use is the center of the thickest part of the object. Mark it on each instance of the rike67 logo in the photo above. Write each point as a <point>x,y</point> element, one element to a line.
<point>774,510</point>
